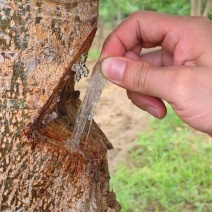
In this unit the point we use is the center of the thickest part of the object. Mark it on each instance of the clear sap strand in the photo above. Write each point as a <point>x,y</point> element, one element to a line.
<point>87,107</point>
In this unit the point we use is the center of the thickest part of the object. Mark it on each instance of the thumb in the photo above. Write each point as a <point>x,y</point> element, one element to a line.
<point>141,77</point>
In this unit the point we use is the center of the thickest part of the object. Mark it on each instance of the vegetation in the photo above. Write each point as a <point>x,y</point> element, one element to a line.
<point>169,169</point>
<point>112,12</point>
<point>109,10</point>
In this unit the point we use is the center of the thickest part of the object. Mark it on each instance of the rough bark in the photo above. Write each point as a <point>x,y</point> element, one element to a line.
<point>40,40</point>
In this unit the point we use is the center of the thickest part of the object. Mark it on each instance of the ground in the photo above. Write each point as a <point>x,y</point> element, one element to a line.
<point>118,118</point>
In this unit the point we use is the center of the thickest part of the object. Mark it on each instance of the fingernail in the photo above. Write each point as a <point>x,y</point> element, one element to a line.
<point>153,111</point>
<point>113,68</point>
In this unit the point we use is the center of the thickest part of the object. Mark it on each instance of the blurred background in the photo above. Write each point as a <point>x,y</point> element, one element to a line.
<point>156,165</point>
<point>113,12</point>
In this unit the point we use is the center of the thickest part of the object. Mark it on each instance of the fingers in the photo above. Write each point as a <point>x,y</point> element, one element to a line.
<point>142,77</point>
<point>157,58</point>
<point>147,29</point>
<point>180,37</point>
<point>152,105</point>
<point>132,55</point>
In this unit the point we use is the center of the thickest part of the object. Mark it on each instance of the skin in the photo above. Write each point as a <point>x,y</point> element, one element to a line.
<point>180,72</point>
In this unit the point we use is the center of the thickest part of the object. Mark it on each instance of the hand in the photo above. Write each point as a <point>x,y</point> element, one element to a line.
<point>179,73</point>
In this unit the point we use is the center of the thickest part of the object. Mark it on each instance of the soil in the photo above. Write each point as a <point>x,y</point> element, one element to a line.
<point>118,118</point>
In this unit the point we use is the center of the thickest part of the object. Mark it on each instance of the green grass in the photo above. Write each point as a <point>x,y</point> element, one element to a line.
<point>93,54</point>
<point>169,169</point>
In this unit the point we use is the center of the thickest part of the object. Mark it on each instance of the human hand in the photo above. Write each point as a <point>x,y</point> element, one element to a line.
<point>179,73</point>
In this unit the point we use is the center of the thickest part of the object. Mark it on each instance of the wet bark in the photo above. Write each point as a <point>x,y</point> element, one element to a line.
<point>40,40</point>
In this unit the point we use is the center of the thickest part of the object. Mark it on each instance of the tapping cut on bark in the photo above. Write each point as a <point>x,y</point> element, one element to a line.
<point>40,41</point>
<point>86,110</point>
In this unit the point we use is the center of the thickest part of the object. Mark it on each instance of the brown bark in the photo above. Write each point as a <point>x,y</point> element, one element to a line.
<point>40,40</point>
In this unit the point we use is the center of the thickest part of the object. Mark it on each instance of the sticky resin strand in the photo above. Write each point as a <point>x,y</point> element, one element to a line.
<point>87,108</point>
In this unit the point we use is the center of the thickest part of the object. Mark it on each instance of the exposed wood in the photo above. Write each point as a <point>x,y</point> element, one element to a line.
<point>40,40</point>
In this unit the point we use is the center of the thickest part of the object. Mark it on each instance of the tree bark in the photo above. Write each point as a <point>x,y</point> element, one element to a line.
<point>196,6</point>
<point>40,40</point>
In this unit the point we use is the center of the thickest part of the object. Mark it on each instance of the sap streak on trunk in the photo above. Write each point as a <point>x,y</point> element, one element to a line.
<point>40,40</point>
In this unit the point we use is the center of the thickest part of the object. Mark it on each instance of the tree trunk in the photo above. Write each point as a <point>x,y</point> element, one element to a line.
<point>207,8</point>
<point>40,40</point>
<point>196,6</point>
<point>100,32</point>
<point>119,15</point>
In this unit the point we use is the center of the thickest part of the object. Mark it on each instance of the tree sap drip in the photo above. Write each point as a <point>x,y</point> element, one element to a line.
<point>87,108</point>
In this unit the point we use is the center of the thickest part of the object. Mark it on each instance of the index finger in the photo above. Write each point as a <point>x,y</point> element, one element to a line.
<point>141,29</point>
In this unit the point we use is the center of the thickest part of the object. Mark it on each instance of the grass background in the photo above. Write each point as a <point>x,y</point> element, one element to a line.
<point>169,169</point>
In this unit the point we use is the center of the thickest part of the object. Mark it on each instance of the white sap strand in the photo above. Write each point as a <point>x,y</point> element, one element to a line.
<point>87,108</point>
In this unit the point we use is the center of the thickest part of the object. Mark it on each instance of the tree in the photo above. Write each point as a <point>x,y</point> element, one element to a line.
<point>39,43</point>
<point>207,9</point>
<point>196,6</point>
<point>111,10</point>
<point>200,8</point>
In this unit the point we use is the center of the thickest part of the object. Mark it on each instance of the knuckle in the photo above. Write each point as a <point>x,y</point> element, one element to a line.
<point>196,21</point>
<point>134,14</point>
<point>183,83</point>
<point>107,40</point>
<point>202,19</point>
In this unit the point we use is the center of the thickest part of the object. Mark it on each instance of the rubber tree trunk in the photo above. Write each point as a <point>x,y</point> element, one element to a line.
<point>196,7</point>
<point>40,40</point>
<point>207,9</point>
